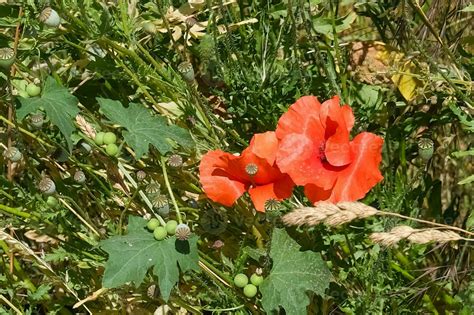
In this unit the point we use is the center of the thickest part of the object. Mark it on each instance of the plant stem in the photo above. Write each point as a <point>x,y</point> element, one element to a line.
<point>170,191</point>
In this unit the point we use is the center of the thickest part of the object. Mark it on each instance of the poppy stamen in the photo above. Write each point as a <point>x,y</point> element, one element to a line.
<point>322,154</point>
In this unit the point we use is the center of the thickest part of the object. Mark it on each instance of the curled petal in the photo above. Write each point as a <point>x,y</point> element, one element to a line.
<point>336,119</point>
<point>302,117</point>
<point>218,180</point>
<point>265,146</point>
<point>277,190</point>
<point>316,193</point>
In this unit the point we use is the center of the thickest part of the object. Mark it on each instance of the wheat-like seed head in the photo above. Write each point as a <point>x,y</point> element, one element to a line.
<point>418,236</point>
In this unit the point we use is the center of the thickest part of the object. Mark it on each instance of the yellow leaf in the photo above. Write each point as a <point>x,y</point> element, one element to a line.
<point>406,82</point>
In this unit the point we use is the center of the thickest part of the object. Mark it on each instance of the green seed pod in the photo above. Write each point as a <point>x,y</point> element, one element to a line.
<point>175,161</point>
<point>37,120</point>
<point>99,138</point>
<point>7,57</point>
<point>50,17</point>
<point>158,200</point>
<point>425,148</point>
<point>182,232</point>
<point>141,175</point>
<point>79,177</point>
<point>152,188</point>
<point>109,138</point>
<point>47,186</point>
<point>187,71</point>
<point>13,154</point>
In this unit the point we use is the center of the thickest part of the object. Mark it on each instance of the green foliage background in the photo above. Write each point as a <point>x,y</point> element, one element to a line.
<point>251,60</point>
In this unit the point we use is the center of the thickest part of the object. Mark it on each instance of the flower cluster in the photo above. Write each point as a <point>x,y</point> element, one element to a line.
<point>311,147</point>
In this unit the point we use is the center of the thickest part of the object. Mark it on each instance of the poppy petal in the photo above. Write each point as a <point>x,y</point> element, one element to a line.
<point>218,184</point>
<point>302,117</point>
<point>363,173</point>
<point>316,193</point>
<point>299,157</point>
<point>337,150</point>
<point>265,146</point>
<point>278,190</point>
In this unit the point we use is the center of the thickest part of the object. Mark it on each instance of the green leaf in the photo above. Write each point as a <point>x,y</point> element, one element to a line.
<point>293,274</point>
<point>40,293</point>
<point>325,25</point>
<point>469,8</point>
<point>144,129</point>
<point>131,256</point>
<point>467,180</point>
<point>60,106</point>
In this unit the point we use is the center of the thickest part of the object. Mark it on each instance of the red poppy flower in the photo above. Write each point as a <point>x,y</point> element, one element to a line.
<point>315,151</point>
<point>225,177</point>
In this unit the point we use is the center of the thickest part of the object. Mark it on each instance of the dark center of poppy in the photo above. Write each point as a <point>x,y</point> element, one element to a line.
<point>251,169</point>
<point>322,148</point>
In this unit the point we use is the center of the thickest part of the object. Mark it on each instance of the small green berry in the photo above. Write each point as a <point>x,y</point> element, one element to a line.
<point>149,27</point>
<point>160,233</point>
<point>52,202</point>
<point>153,224</point>
<point>33,90</point>
<point>256,279</point>
<point>241,280</point>
<point>171,226</point>
<point>109,138</point>
<point>250,290</point>
<point>99,138</point>
<point>111,149</point>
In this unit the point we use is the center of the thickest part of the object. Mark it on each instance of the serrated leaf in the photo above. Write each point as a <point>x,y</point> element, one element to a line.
<point>144,129</point>
<point>131,255</point>
<point>60,106</point>
<point>293,274</point>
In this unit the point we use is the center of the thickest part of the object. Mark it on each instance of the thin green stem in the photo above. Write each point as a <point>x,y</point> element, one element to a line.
<point>170,191</point>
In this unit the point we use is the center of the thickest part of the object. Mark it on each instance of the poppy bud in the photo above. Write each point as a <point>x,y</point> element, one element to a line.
<point>425,148</point>
<point>251,169</point>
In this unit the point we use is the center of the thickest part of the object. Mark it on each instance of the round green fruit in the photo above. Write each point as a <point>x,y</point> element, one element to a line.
<point>153,224</point>
<point>241,280</point>
<point>149,27</point>
<point>111,149</point>
<point>256,279</point>
<point>171,227</point>
<point>160,233</point>
<point>250,290</point>
<point>52,202</point>
<point>109,138</point>
<point>99,138</point>
<point>33,90</point>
